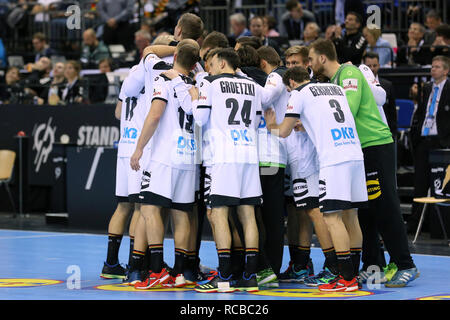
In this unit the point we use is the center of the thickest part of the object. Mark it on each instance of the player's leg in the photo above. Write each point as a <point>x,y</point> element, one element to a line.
<point>237,244</point>
<point>117,224</point>
<point>181,236</point>
<point>248,282</point>
<point>139,264</point>
<point>350,219</point>
<point>132,228</point>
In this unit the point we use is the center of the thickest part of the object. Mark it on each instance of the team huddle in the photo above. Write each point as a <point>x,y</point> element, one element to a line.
<point>197,130</point>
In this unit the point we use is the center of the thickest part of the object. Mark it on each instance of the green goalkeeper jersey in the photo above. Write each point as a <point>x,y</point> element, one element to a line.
<point>372,131</point>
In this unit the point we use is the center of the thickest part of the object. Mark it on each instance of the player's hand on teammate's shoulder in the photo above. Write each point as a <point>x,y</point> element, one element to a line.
<point>193,91</point>
<point>299,126</point>
<point>171,74</point>
<point>134,160</point>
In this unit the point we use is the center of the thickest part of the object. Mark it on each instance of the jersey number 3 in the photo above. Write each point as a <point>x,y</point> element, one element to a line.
<point>339,114</point>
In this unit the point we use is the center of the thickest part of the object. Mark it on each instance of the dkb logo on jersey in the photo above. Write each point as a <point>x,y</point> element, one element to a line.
<point>373,189</point>
<point>344,133</point>
<point>129,133</point>
<point>188,144</point>
<point>241,136</point>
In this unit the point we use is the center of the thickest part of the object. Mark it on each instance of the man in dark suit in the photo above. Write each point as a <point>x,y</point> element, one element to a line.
<point>430,129</point>
<point>371,59</point>
<point>294,21</point>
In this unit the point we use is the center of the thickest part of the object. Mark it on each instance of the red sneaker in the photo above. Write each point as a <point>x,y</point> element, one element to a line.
<point>154,280</point>
<point>339,284</point>
<point>175,282</point>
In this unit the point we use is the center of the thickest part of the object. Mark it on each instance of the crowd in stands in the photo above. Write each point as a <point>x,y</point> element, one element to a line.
<point>56,74</point>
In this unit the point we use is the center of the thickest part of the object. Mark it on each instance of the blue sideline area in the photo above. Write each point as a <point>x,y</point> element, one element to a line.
<point>44,265</point>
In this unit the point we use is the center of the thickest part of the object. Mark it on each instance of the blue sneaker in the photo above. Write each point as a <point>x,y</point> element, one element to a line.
<point>402,278</point>
<point>290,275</point>
<point>194,277</point>
<point>323,277</point>
<point>133,277</point>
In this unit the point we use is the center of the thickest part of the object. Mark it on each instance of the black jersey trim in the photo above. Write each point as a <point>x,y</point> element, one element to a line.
<point>203,107</point>
<point>158,98</point>
<point>292,115</point>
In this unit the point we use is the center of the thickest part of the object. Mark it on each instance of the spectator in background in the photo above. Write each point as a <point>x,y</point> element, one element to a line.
<point>351,44</point>
<point>257,30</point>
<point>40,46</point>
<point>377,44</point>
<point>294,21</point>
<point>372,60</point>
<point>429,130</point>
<point>54,88</point>
<point>311,33</point>
<point>330,32</point>
<point>73,91</point>
<point>142,39</point>
<point>432,21</point>
<point>416,51</point>
<point>105,65</point>
<point>115,14</point>
<point>39,76</point>
<point>3,58</point>
<point>93,50</point>
<point>441,44</point>
<point>270,23</point>
<point>11,91</point>
<point>238,25</point>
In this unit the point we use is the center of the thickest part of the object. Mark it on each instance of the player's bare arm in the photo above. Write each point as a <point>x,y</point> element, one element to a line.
<point>282,130</point>
<point>149,128</point>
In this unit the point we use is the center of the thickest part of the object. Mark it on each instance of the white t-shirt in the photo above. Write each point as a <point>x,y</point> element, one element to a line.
<point>132,117</point>
<point>232,106</point>
<point>173,142</point>
<point>272,149</point>
<point>326,117</point>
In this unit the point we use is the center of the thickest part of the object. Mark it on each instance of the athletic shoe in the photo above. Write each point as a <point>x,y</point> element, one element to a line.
<point>154,280</point>
<point>310,267</point>
<point>194,277</point>
<point>402,278</point>
<point>249,284</point>
<point>339,284</point>
<point>267,278</point>
<point>217,284</point>
<point>175,282</point>
<point>390,270</point>
<point>323,277</point>
<point>113,272</point>
<point>364,275</point>
<point>133,277</point>
<point>290,275</point>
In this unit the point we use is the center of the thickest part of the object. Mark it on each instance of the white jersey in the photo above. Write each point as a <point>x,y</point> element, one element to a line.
<point>378,92</point>
<point>326,116</point>
<point>132,117</point>
<point>173,142</point>
<point>232,106</point>
<point>272,149</point>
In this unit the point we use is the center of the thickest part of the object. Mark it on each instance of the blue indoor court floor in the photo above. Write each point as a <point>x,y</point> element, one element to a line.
<point>37,265</point>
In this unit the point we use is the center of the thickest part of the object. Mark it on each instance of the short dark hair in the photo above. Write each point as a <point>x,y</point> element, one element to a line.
<point>298,74</point>
<point>371,55</point>
<point>230,56</point>
<point>270,55</point>
<point>191,26</point>
<point>271,21</point>
<point>443,30</point>
<point>187,56</point>
<point>253,41</point>
<point>291,4</point>
<point>40,36</point>
<point>215,39</point>
<point>249,56</point>
<point>434,14</point>
<point>357,15</point>
<point>325,47</point>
